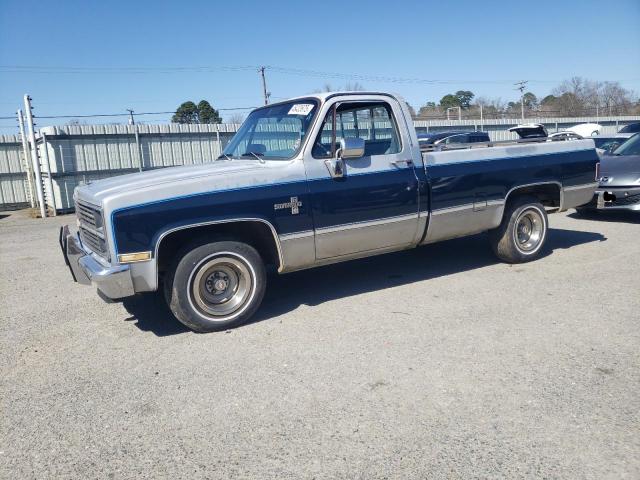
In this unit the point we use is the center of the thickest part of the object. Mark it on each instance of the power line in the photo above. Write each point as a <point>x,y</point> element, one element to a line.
<point>236,68</point>
<point>123,70</point>
<point>172,112</point>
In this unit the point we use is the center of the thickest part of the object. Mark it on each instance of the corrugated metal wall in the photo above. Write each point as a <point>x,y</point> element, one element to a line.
<point>79,154</point>
<point>13,186</point>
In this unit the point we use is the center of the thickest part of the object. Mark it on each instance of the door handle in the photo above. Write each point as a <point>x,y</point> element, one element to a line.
<point>401,163</point>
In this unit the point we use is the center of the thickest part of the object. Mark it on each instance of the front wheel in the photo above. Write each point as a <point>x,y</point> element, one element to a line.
<point>523,231</point>
<point>216,286</point>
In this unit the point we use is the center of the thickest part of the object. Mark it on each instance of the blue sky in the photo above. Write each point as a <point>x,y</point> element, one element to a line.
<point>471,45</point>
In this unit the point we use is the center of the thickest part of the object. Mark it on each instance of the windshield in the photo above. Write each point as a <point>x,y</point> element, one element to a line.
<point>631,128</point>
<point>273,133</point>
<point>607,143</point>
<point>630,147</point>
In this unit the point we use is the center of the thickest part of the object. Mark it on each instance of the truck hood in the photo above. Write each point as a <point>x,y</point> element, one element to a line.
<point>210,177</point>
<point>620,170</point>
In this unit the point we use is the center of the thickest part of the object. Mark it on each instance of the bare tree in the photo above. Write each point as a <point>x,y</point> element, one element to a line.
<point>354,87</point>
<point>349,87</point>
<point>236,118</point>
<point>579,96</point>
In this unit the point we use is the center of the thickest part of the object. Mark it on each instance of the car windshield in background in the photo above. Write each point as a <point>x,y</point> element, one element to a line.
<point>630,147</point>
<point>631,128</point>
<point>274,132</point>
<point>607,143</point>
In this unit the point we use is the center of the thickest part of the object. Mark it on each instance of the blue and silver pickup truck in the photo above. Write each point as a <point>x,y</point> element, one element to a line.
<point>306,182</point>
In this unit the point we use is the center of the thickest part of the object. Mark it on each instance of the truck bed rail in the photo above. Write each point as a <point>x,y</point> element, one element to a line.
<point>501,143</point>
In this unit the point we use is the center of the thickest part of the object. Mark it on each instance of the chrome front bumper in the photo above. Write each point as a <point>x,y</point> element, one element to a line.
<point>113,281</point>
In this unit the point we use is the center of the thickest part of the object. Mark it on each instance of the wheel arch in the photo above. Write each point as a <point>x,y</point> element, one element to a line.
<point>256,232</point>
<point>549,193</point>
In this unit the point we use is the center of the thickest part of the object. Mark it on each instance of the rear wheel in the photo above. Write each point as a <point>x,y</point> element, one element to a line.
<point>523,231</point>
<point>216,286</point>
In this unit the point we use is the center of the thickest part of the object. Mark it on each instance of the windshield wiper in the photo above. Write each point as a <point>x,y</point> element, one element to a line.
<point>223,156</point>
<point>254,154</point>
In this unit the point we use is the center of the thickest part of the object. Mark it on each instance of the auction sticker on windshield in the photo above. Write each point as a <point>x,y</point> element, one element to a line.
<point>301,109</point>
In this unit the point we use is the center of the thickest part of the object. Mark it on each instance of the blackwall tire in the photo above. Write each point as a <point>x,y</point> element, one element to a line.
<point>523,232</point>
<point>216,286</point>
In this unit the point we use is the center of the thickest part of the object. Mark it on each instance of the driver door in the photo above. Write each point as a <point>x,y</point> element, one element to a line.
<point>374,204</point>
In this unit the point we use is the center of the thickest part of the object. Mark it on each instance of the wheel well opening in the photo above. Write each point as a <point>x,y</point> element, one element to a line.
<point>257,234</point>
<point>548,194</point>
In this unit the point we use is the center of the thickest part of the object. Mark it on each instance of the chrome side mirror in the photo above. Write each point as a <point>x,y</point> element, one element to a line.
<point>351,148</point>
<point>335,167</point>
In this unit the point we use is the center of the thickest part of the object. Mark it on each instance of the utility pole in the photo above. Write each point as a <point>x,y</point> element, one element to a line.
<point>34,155</point>
<point>137,137</point>
<point>27,159</point>
<point>264,86</point>
<point>521,86</point>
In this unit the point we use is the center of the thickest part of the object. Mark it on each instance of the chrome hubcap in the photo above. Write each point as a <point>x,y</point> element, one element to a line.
<point>529,230</point>
<point>220,286</point>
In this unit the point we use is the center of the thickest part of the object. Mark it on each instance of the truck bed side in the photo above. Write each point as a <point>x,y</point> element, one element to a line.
<point>470,187</point>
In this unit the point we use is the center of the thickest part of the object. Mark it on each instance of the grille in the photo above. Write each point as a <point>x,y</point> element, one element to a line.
<point>90,223</point>
<point>93,241</point>
<point>88,215</point>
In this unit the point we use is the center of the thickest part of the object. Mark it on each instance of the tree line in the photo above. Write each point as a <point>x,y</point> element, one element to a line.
<point>572,98</point>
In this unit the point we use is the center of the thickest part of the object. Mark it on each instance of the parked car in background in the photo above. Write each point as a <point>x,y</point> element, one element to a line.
<point>451,137</point>
<point>607,144</point>
<point>565,136</point>
<point>530,130</point>
<point>630,129</point>
<point>619,178</point>
<point>586,129</point>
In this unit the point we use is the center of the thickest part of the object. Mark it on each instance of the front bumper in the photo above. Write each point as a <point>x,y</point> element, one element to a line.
<point>616,198</point>
<point>113,281</point>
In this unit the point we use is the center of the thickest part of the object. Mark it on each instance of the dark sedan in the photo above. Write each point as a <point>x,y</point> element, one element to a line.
<point>452,137</point>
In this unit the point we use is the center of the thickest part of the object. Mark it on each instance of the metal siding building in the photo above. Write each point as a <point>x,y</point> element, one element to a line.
<point>13,181</point>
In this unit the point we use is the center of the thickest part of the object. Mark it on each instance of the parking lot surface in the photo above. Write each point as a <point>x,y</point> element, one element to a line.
<point>438,362</point>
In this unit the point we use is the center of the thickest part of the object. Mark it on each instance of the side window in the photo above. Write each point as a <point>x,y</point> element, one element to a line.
<point>478,138</point>
<point>457,139</point>
<point>373,122</point>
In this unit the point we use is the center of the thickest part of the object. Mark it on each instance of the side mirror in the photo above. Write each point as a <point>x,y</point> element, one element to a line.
<point>351,148</point>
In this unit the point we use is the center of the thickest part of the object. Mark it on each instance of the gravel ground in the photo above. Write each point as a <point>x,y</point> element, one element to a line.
<point>434,363</point>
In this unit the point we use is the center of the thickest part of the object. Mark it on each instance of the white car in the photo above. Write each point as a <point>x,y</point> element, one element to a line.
<point>586,129</point>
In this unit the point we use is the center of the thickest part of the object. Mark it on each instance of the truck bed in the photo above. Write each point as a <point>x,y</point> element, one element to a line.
<point>470,186</point>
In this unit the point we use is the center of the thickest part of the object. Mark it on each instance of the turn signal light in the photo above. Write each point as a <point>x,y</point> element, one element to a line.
<point>134,257</point>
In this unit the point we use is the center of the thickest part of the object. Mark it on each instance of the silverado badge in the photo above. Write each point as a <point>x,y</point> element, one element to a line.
<point>294,204</point>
